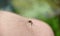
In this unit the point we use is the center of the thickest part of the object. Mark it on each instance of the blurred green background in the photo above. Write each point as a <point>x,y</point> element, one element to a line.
<point>46,10</point>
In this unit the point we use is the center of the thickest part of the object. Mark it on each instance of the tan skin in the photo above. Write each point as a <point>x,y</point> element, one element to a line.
<point>14,25</point>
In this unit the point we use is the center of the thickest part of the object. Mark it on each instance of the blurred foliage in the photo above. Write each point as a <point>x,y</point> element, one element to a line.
<point>46,10</point>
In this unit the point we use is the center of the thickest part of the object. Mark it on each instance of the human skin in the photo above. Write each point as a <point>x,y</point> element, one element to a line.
<point>12,24</point>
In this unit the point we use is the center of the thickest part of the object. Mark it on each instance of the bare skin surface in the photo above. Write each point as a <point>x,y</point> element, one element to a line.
<point>14,25</point>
